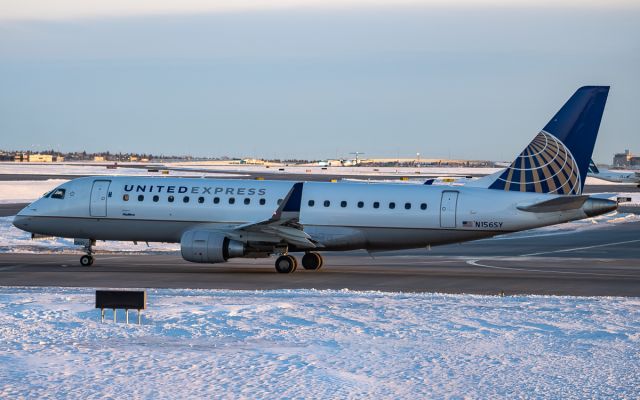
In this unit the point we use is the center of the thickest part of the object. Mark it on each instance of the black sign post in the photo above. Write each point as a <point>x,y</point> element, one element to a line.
<point>121,299</point>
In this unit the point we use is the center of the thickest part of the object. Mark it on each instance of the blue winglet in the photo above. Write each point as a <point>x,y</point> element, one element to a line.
<point>294,198</point>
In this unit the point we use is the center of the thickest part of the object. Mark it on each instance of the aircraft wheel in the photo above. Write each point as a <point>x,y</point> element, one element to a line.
<point>286,264</point>
<point>312,261</point>
<point>86,261</point>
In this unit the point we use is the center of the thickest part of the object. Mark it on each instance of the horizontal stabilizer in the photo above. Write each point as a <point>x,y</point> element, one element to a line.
<point>564,203</point>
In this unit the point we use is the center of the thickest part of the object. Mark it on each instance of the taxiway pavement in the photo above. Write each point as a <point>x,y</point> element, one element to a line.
<point>590,262</point>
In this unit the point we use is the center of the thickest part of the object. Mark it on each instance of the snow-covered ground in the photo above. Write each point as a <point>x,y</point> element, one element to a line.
<point>319,344</point>
<point>233,169</point>
<point>26,191</point>
<point>360,170</point>
<point>14,168</point>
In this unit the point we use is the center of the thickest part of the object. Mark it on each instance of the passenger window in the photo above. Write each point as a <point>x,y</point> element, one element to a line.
<point>327,203</point>
<point>125,197</point>
<point>232,200</point>
<point>170,199</point>
<point>185,199</point>
<point>200,199</point>
<point>407,206</point>
<point>247,200</point>
<point>140,197</point>
<point>423,206</point>
<point>376,204</point>
<point>312,203</point>
<point>392,205</point>
<point>343,204</point>
<point>58,194</point>
<point>360,204</point>
<point>216,200</point>
<point>156,198</point>
<point>262,202</point>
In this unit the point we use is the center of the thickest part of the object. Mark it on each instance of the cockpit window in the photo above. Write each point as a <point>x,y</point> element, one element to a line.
<point>58,194</point>
<point>46,195</point>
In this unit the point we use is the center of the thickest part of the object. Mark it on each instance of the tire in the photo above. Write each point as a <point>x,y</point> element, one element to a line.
<point>86,261</point>
<point>312,261</point>
<point>286,264</point>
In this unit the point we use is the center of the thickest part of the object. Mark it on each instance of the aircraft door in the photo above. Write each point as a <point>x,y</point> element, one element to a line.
<point>448,206</point>
<point>99,194</point>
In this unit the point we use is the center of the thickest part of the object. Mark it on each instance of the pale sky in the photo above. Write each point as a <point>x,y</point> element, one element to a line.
<point>312,79</point>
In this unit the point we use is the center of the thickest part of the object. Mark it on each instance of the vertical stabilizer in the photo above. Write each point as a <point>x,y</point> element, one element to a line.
<point>557,159</point>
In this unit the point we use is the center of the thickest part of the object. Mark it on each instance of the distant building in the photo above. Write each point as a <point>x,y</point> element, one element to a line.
<point>98,158</point>
<point>20,157</point>
<point>252,161</point>
<point>626,159</point>
<point>40,158</point>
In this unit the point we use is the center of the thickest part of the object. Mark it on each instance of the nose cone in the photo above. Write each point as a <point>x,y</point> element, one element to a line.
<point>21,222</point>
<point>23,218</point>
<point>594,206</point>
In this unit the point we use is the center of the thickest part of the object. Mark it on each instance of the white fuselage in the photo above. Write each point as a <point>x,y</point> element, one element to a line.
<point>616,176</point>
<point>338,216</point>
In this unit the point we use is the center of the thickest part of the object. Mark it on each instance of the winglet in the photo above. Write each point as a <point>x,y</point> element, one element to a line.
<point>291,202</point>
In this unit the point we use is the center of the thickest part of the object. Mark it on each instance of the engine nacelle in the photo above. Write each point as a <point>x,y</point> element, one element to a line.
<point>209,247</point>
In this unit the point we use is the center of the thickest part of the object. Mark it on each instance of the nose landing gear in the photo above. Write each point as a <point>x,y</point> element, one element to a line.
<point>86,260</point>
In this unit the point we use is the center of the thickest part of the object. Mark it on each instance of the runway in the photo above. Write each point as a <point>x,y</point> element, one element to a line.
<point>598,262</point>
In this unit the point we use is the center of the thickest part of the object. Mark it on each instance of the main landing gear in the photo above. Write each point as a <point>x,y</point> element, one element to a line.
<point>286,264</point>
<point>312,261</point>
<point>87,259</point>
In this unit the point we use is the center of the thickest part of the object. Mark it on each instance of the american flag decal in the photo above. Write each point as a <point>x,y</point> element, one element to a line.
<point>467,224</point>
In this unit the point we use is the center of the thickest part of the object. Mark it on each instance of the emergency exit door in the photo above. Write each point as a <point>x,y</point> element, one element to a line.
<point>99,194</point>
<point>448,206</point>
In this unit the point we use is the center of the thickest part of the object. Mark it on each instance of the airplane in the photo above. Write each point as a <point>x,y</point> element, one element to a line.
<point>216,220</point>
<point>613,176</point>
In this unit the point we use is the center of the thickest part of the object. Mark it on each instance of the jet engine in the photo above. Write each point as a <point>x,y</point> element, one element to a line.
<point>209,247</point>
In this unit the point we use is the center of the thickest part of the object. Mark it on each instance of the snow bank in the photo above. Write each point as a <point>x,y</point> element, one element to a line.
<point>319,344</point>
<point>13,168</point>
<point>230,170</point>
<point>26,191</point>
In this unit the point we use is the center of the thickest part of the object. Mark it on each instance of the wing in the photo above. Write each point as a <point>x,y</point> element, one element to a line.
<point>283,225</point>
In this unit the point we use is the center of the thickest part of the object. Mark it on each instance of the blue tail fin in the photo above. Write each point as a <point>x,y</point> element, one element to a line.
<point>557,159</point>
<point>593,169</point>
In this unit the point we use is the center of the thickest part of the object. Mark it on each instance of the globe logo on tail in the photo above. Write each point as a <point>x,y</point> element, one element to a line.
<point>545,166</point>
